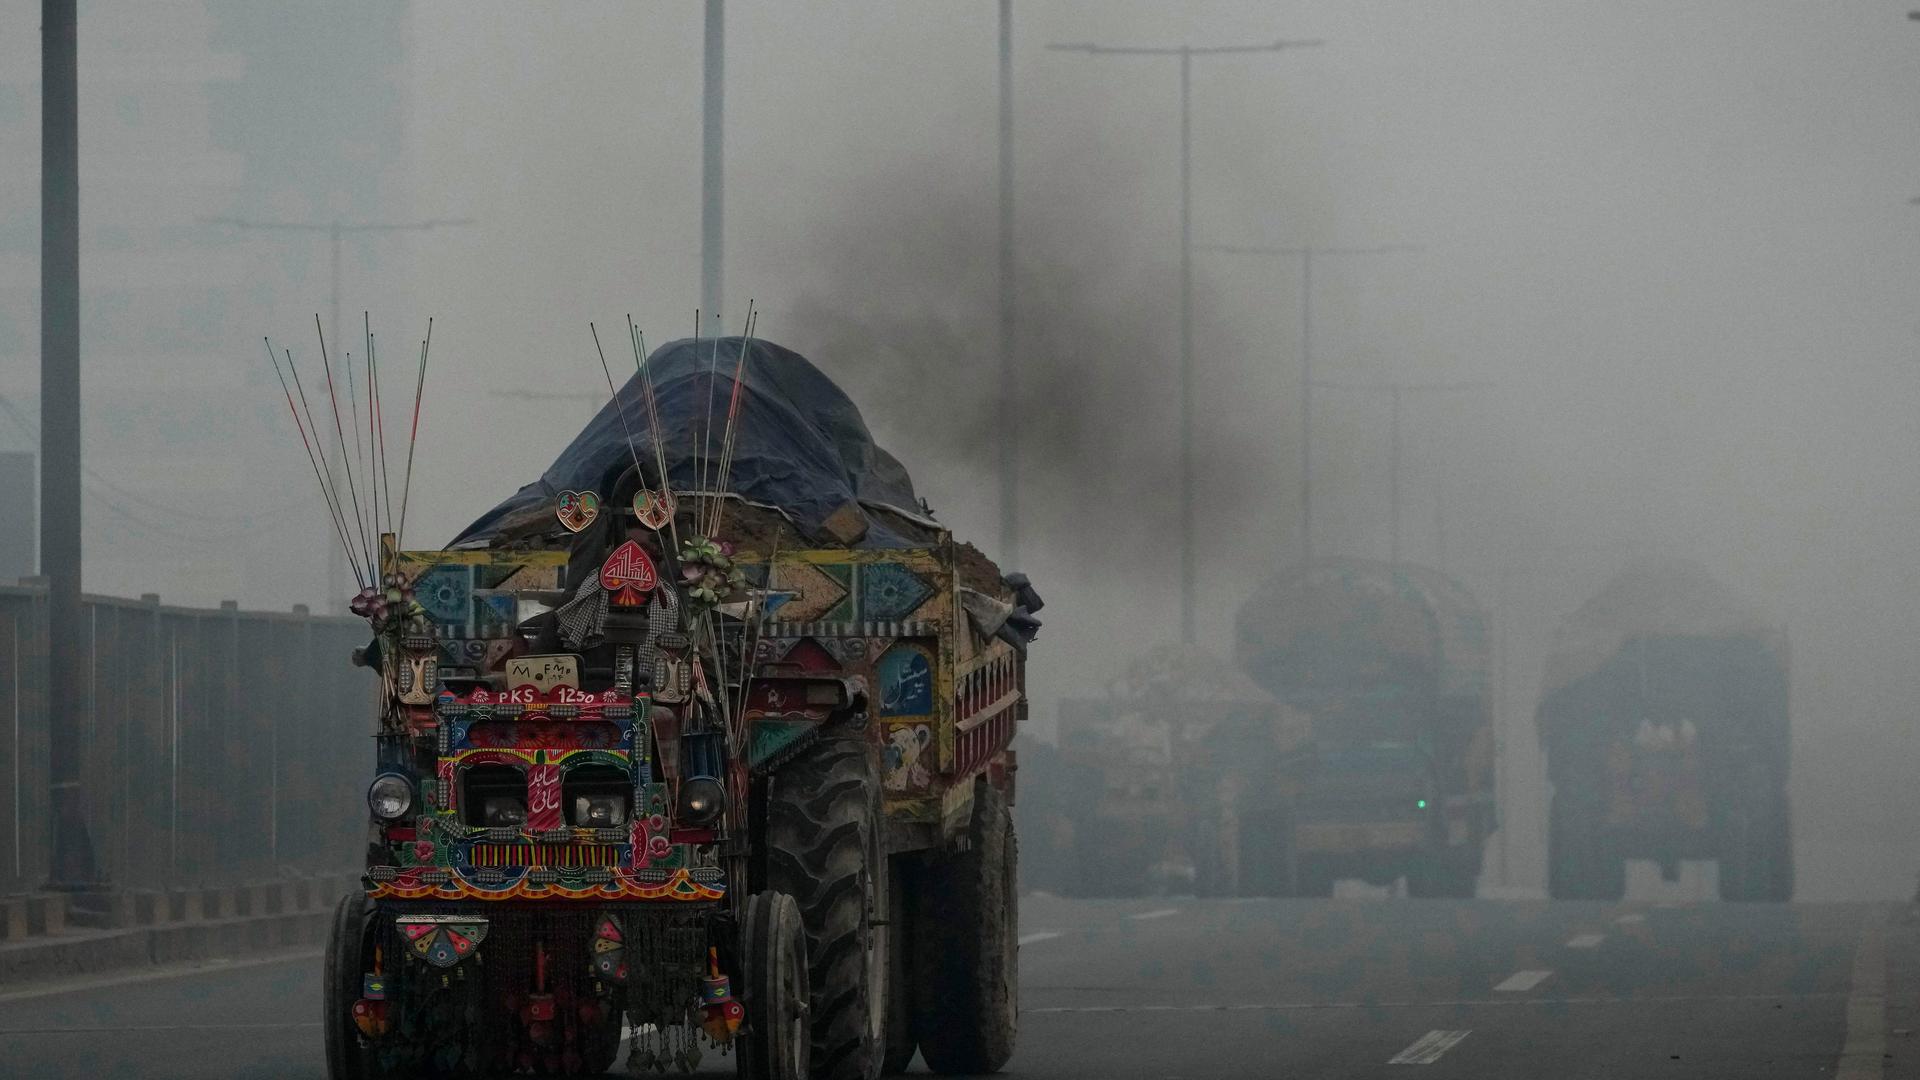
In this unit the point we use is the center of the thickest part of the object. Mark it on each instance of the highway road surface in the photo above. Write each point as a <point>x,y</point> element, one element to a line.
<point>1194,989</point>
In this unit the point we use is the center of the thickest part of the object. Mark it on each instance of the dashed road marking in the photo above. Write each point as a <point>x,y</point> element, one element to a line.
<point>1427,1048</point>
<point>1585,941</point>
<point>1863,1055</point>
<point>1039,935</point>
<point>1160,914</point>
<point>1632,917</point>
<point>1521,981</point>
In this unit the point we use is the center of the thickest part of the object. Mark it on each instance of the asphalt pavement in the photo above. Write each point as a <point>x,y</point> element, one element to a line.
<point>1192,989</point>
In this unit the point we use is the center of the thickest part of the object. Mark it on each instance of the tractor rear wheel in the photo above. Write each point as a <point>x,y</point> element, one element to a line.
<point>774,1044</point>
<point>969,968</point>
<point>826,847</point>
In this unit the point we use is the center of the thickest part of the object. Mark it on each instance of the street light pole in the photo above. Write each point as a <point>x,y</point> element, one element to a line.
<point>1186,53</point>
<point>336,231</point>
<point>1305,255</point>
<point>1396,392</point>
<point>72,865</point>
<point>1009,388</point>
<point>713,109</point>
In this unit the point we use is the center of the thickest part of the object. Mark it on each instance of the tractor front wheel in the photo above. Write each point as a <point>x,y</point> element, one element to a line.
<point>775,1044</point>
<point>347,1058</point>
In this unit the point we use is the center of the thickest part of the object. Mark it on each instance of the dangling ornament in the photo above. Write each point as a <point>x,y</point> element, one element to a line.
<point>721,1012</point>
<point>577,509</point>
<point>653,508</point>
<point>628,575</point>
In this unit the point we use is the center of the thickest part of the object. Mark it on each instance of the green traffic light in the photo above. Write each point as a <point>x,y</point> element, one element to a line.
<point>1422,804</point>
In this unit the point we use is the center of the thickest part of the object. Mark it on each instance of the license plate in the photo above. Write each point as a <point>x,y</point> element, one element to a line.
<point>544,673</point>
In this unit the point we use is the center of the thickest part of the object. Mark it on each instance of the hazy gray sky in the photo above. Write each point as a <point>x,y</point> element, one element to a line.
<point>1675,238</point>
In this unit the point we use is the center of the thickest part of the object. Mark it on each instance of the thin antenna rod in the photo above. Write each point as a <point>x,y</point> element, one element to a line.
<point>700,447</point>
<point>359,451</point>
<point>332,516</point>
<point>346,464</point>
<point>632,450</point>
<point>729,439</point>
<point>413,436</point>
<point>640,367</point>
<point>380,421</point>
<point>332,482</point>
<point>373,450</point>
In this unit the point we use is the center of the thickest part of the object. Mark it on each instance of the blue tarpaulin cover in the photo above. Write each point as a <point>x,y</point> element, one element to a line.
<point>800,445</point>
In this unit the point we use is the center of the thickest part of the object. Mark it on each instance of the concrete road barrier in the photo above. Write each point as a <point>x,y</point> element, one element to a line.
<point>129,930</point>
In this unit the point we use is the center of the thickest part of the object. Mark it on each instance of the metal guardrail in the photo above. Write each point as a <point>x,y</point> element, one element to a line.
<point>222,746</point>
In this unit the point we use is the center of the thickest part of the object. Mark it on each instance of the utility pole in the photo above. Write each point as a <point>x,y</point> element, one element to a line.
<point>1396,393</point>
<point>339,592</point>
<point>712,113</point>
<point>1186,53</point>
<point>1306,256</point>
<point>72,864</point>
<point>1009,383</point>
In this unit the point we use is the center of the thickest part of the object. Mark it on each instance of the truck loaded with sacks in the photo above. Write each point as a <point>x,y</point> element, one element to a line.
<point>699,743</point>
<point>1352,739</point>
<point>1388,666</point>
<point>1665,723</point>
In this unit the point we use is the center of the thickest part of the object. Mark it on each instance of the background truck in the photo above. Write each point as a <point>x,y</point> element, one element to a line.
<point>721,761</point>
<point>1388,664</point>
<point>1169,779</point>
<point>1665,722</point>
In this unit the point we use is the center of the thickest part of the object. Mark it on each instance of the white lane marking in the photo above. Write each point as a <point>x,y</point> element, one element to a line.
<point>1160,914</point>
<point>1039,935</point>
<point>1585,941</point>
<point>1632,917</point>
<point>1427,1048</point>
<point>1521,981</point>
<point>1862,1056</point>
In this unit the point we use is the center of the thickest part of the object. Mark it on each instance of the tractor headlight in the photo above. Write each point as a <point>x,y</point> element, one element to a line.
<point>600,811</point>
<point>390,796</point>
<point>701,799</point>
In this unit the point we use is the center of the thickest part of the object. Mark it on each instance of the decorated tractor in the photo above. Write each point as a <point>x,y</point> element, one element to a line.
<point>697,745</point>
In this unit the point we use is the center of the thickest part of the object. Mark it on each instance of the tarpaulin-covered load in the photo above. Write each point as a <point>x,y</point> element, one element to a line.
<point>801,447</point>
<point>1384,645</point>
<point>1663,642</point>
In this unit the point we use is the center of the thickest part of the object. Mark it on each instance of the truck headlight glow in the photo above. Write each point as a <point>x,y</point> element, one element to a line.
<point>390,796</point>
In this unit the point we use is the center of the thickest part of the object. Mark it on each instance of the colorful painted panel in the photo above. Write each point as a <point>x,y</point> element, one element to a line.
<point>903,684</point>
<point>470,594</point>
<point>590,883</point>
<point>816,592</point>
<point>904,678</point>
<point>909,757</point>
<point>891,591</point>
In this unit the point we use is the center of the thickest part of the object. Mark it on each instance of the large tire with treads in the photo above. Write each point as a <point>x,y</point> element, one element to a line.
<point>826,847</point>
<point>346,1058</point>
<point>969,966</point>
<point>774,1045</point>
